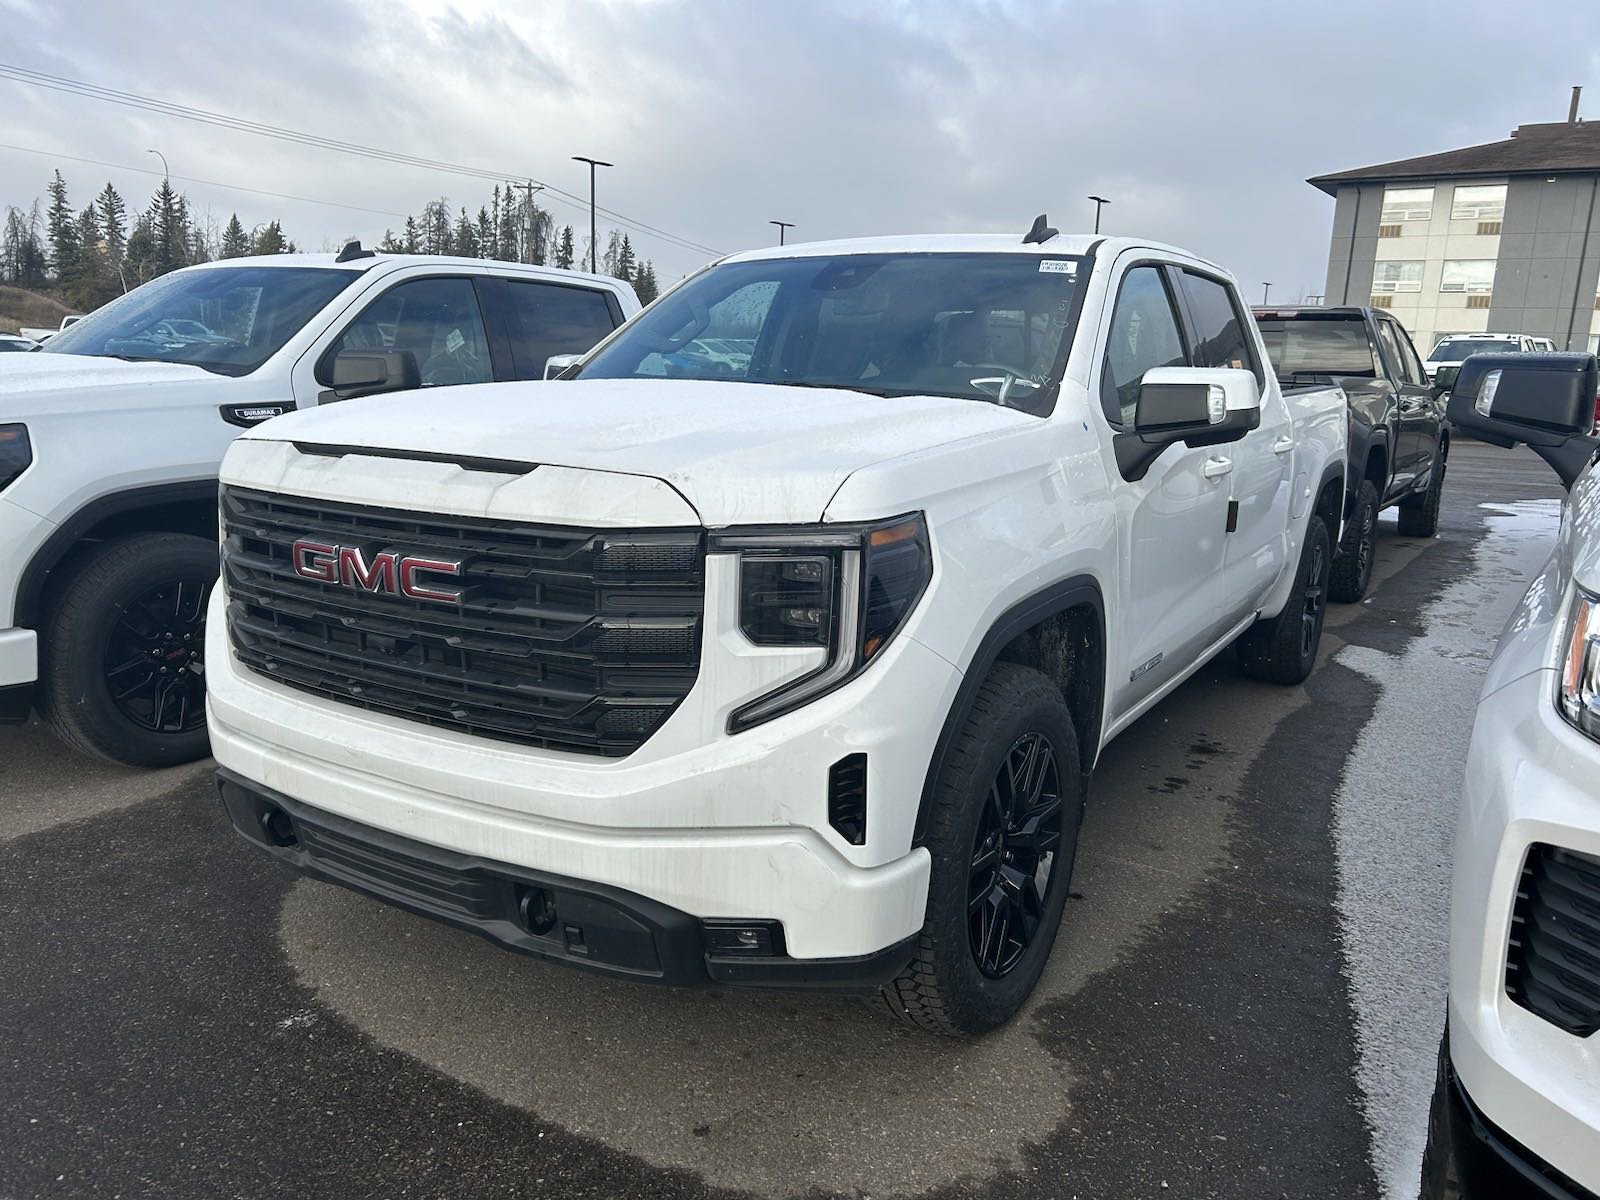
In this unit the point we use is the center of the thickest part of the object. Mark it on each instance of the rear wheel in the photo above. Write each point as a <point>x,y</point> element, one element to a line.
<point>1353,561</point>
<point>1419,514</point>
<point>124,657</point>
<point>1284,648</point>
<point>1002,831</point>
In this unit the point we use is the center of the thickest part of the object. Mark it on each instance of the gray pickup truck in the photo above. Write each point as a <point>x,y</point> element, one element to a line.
<point>1398,438</point>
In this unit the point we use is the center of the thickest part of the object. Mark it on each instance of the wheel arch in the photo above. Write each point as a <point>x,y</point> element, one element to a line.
<point>1060,630</point>
<point>1334,504</point>
<point>189,507</point>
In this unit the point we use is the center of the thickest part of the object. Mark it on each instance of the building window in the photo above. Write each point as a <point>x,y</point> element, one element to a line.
<point>1406,204</point>
<point>1398,277</point>
<point>1475,276</point>
<point>1479,203</point>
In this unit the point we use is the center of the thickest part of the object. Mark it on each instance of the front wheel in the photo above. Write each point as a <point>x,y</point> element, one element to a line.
<point>1354,559</point>
<point>124,656</point>
<point>1002,831</point>
<point>1283,649</point>
<point>1419,514</point>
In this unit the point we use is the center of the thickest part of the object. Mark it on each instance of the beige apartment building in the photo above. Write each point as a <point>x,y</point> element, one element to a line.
<point>1503,237</point>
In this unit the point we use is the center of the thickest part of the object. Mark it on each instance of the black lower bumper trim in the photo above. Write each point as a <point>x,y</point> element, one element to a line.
<point>1492,1163</point>
<point>16,702</point>
<point>588,925</point>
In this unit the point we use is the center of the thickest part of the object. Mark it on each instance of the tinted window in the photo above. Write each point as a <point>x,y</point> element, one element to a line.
<point>1410,365</point>
<point>1391,348</point>
<point>436,320</point>
<point>1222,339</point>
<point>1144,334</point>
<point>551,318</point>
<point>1455,349</point>
<point>226,319</point>
<point>989,327</point>
<point>1312,346</point>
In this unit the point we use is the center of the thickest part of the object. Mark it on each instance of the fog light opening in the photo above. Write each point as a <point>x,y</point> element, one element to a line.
<point>537,910</point>
<point>278,827</point>
<point>745,939</point>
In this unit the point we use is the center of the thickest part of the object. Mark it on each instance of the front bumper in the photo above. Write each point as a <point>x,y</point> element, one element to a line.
<point>597,928</point>
<point>1530,778</point>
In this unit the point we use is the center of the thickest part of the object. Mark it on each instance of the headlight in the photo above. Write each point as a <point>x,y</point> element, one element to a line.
<point>16,453</point>
<point>845,588</point>
<point>1579,697</point>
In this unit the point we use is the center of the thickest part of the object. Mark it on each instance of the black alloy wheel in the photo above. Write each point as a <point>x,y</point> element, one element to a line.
<point>155,657</point>
<point>1315,599</point>
<point>1014,855</point>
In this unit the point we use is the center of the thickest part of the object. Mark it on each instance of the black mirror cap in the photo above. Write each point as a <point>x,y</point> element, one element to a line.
<point>1541,399</point>
<point>362,372</point>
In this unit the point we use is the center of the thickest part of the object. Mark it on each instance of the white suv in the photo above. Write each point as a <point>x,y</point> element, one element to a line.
<point>1517,1107</point>
<point>111,435</point>
<point>782,667</point>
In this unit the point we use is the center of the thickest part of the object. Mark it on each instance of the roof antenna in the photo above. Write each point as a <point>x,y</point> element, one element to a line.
<point>353,251</point>
<point>1040,233</point>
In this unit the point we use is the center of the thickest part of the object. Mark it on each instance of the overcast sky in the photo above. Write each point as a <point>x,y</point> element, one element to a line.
<point>1200,121</point>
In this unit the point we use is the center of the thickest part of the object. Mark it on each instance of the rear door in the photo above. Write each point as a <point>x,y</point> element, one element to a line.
<point>1172,520</point>
<point>1257,485</point>
<point>1416,411</point>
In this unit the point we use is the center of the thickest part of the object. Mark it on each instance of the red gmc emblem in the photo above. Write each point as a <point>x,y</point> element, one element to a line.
<point>396,574</point>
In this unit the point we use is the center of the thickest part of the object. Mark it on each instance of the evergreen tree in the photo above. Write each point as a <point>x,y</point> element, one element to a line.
<point>113,214</point>
<point>644,282</point>
<point>82,284</point>
<point>169,229</point>
<point>63,228</point>
<point>411,242</point>
<point>626,263</point>
<point>508,240</point>
<point>466,237</point>
<point>140,258</point>
<point>271,240</point>
<point>389,244</point>
<point>484,233</point>
<point>235,241</point>
<point>564,248</point>
<point>435,227</point>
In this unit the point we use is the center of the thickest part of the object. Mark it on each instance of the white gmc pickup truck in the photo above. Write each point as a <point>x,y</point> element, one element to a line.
<point>776,642</point>
<point>111,435</point>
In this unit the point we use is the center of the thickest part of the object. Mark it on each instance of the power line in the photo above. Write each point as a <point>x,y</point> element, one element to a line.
<point>59,83</point>
<point>232,187</point>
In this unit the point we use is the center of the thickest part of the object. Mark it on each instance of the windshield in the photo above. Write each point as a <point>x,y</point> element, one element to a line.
<point>226,319</point>
<point>1456,349</point>
<point>1319,346</point>
<point>973,326</point>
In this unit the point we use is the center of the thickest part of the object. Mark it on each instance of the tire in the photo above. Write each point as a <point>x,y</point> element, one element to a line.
<point>1283,649</point>
<point>1441,1178</point>
<point>1357,553</point>
<point>967,975</point>
<point>140,600</point>
<point>1419,515</point>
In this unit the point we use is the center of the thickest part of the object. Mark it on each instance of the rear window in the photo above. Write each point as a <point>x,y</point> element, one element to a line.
<point>1310,347</point>
<point>1455,349</point>
<point>552,318</point>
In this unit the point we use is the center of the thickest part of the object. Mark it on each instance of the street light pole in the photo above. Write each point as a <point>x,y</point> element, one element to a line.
<point>782,225</point>
<point>1265,288</point>
<point>164,172</point>
<point>594,236</point>
<point>1099,202</point>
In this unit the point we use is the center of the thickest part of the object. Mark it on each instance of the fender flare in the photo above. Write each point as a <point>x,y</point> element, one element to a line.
<point>36,575</point>
<point>1020,617</point>
<point>1362,440</point>
<point>1340,472</point>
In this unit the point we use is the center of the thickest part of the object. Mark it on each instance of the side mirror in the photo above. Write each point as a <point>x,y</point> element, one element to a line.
<point>1198,406</point>
<point>556,364</point>
<point>1546,401</point>
<point>368,372</point>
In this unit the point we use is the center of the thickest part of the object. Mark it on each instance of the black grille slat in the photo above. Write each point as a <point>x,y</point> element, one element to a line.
<point>1553,956</point>
<point>573,639</point>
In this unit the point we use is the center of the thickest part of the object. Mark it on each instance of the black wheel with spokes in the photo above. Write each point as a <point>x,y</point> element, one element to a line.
<point>155,656</point>
<point>123,658</point>
<point>1283,649</point>
<point>1019,832</point>
<point>1002,829</point>
<point>1358,552</point>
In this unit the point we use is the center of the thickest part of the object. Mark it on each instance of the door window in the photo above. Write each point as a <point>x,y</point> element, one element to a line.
<point>1144,334</point>
<point>1222,338</point>
<point>1391,349</point>
<point>1410,365</point>
<point>552,318</point>
<point>436,320</point>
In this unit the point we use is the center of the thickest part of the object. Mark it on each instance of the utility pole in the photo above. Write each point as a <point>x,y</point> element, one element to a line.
<point>1265,288</point>
<point>528,230</point>
<point>594,235</point>
<point>782,225</point>
<point>1099,203</point>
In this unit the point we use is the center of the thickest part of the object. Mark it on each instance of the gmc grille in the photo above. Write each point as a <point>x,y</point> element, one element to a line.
<point>1553,962</point>
<point>579,640</point>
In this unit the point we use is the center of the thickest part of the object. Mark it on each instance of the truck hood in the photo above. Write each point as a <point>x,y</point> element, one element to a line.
<point>739,453</point>
<point>93,382</point>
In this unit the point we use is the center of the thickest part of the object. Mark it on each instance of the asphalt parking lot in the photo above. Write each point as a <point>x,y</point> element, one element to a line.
<point>1244,1001</point>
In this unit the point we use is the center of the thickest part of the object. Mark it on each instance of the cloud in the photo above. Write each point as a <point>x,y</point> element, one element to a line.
<point>1199,121</point>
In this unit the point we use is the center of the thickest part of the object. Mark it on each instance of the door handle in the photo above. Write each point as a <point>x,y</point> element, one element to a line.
<point>1283,445</point>
<point>1216,468</point>
<point>1410,406</point>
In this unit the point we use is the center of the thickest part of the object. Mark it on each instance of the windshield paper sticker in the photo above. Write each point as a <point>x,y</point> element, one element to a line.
<point>454,341</point>
<point>1058,267</point>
